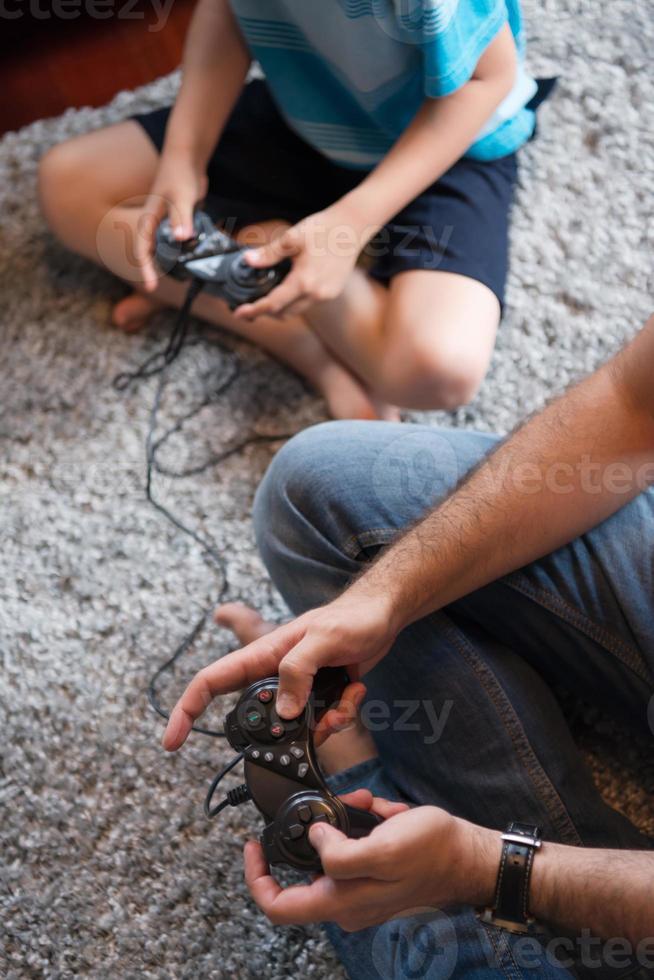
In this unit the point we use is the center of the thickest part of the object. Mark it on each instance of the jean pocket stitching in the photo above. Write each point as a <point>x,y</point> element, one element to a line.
<point>357,543</point>
<point>545,789</point>
<point>504,958</point>
<point>627,655</point>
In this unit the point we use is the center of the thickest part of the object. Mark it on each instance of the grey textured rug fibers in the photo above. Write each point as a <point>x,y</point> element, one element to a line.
<point>109,869</point>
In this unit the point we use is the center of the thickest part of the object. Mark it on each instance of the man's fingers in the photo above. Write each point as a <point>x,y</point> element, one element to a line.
<point>362,799</point>
<point>388,808</point>
<point>299,904</point>
<point>230,673</point>
<point>341,856</point>
<point>343,715</point>
<point>296,672</point>
<point>261,884</point>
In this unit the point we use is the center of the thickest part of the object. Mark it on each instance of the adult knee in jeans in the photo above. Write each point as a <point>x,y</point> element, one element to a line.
<point>336,480</point>
<point>292,494</point>
<point>307,507</point>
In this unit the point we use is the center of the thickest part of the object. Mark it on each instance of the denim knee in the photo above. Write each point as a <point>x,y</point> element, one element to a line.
<point>340,490</point>
<point>292,505</point>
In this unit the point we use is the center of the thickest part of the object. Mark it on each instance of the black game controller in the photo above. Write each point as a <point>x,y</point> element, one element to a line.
<point>282,773</point>
<point>216,261</point>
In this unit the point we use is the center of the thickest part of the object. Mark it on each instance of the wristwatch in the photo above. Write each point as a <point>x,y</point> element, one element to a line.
<point>510,910</point>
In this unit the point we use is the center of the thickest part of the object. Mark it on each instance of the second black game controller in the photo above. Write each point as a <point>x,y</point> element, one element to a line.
<point>216,261</point>
<point>282,772</point>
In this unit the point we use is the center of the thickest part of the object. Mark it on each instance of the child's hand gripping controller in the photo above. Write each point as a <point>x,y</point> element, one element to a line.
<point>282,773</point>
<point>216,261</point>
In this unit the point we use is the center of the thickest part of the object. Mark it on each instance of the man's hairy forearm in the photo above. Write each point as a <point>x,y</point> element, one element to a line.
<point>565,471</point>
<point>216,62</point>
<point>608,892</point>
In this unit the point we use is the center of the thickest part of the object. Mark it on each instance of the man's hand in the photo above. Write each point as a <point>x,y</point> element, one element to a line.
<point>323,248</point>
<point>178,186</point>
<point>352,631</point>
<point>416,858</point>
<point>425,857</point>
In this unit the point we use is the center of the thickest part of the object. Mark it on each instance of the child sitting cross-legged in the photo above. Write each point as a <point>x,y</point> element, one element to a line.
<point>373,130</point>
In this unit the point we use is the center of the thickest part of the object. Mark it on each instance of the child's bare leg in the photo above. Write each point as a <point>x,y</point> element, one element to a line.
<point>342,749</point>
<point>423,343</point>
<point>92,201</point>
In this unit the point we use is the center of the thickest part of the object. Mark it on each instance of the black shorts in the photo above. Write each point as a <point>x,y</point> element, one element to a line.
<point>261,170</point>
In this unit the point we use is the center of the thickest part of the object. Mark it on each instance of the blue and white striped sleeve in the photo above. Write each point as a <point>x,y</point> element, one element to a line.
<point>454,34</point>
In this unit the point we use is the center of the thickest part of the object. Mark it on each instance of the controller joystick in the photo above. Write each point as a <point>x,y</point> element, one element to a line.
<point>282,772</point>
<point>286,839</point>
<point>216,261</point>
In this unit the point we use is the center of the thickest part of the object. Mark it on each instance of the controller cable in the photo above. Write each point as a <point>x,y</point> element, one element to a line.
<point>158,364</point>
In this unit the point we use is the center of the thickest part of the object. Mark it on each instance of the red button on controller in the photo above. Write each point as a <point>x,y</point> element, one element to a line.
<point>265,696</point>
<point>277,730</point>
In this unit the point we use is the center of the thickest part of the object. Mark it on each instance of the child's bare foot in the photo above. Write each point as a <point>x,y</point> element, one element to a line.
<point>245,623</point>
<point>133,312</point>
<point>346,397</point>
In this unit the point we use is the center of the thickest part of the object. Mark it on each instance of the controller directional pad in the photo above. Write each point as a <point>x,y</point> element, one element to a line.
<point>294,820</point>
<point>283,774</point>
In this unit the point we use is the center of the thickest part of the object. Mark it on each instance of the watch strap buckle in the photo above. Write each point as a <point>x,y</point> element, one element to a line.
<point>510,910</point>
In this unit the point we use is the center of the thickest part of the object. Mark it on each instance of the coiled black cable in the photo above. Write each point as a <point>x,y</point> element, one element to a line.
<point>157,364</point>
<point>235,797</point>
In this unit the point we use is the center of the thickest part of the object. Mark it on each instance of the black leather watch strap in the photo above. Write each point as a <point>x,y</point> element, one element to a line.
<point>511,906</point>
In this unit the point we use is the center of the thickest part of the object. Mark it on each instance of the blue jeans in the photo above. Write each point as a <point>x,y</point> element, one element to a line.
<point>462,709</point>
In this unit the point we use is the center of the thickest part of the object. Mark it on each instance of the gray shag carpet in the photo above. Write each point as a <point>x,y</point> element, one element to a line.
<point>109,868</point>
